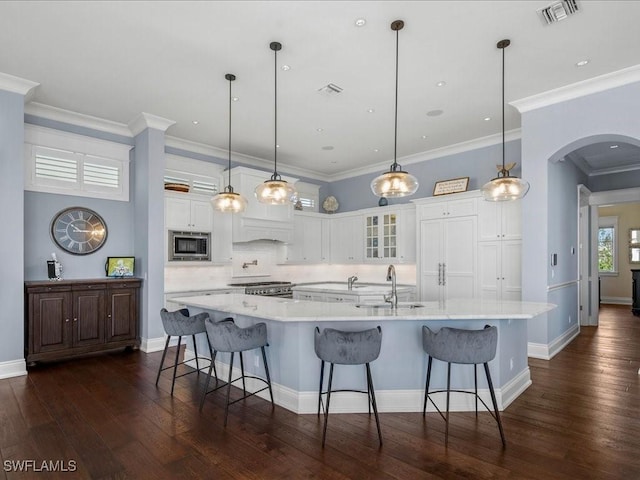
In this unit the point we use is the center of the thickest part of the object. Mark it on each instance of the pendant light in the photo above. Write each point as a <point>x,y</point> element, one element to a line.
<point>504,187</point>
<point>229,201</point>
<point>396,182</point>
<point>275,191</point>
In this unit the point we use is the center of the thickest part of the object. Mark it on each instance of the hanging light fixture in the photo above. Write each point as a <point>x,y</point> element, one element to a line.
<point>504,187</point>
<point>396,182</point>
<point>275,191</point>
<point>229,201</point>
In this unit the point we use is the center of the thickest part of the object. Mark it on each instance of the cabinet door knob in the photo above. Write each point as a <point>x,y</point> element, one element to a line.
<point>109,316</point>
<point>66,319</point>
<point>75,319</point>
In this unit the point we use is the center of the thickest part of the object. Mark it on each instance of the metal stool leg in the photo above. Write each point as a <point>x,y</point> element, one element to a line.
<point>226,407</point>
<point>373,400</point>
<point>368,392</point>
<point>426,387</point>
<point>266,371</point>
<point>446,428</point>
<point>206,383</point>
<point>212,356</point>
<point>495,403</point>
<point>244,387</point>
<point>195,351</point>
<point>475,383</point>
<point>326,412</point>
<point>320,388</point>
<point>164,354</point>
<point>175,365</point>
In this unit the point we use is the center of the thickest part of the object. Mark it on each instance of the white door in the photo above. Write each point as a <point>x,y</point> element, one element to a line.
<point>511,270</point>
<point>489,270</point>
<point>459,259</point>
<point>431,241</point>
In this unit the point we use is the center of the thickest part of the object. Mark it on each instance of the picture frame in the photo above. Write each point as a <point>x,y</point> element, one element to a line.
<point>454,185</point>
<point>120,266</point>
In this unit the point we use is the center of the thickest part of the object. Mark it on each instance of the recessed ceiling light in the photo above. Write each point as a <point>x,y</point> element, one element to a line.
<point>195,122</point>
<point>334,161</point>
<point>285,68</point>
<point>277,146</point>
<point>424,136</point>
<point>327,147</point>
<point>371,110</point>
<point>360,22</point>
<point>319,129</point>
<point>235,99</point>
<point>441,83</point>
<point>582,63</point>
<point>486,119</point>
<point>434,113</point>
<point>613,146</point>
<point>376,150</point>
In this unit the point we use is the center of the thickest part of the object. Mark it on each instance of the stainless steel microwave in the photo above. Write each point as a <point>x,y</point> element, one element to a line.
<point>189,246</point>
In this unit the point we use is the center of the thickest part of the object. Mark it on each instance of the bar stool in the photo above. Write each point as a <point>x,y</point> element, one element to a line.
<point>453,345</point>
<point>347,348</point>
<point>179,324</point>
<point>226,336</point>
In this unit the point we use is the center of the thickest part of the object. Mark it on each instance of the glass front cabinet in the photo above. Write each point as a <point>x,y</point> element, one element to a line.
<point>390,236</point>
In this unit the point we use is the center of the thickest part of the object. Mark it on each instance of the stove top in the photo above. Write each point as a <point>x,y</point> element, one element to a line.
<point>270,289</point>
<point>257,284</point>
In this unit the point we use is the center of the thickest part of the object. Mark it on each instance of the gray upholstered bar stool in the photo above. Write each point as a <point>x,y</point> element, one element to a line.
<point>347,348</point>
<point>453,345</point>
<point>179,324</point>
<point>226,336</point>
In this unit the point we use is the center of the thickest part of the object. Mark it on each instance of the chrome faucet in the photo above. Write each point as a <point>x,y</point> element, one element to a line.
<point>245,265</point>
<point>350,281</point>
<point>392,298</point>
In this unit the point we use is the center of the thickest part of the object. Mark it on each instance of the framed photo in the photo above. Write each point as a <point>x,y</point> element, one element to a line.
<point>455,185</point>
<point>120,266</point>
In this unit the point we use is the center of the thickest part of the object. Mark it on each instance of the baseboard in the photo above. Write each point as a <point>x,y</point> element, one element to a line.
<point>548,351</point>
<point>617,300</point>
<point>150,345</point>
<point>387,400</point>
<point>13,368</point>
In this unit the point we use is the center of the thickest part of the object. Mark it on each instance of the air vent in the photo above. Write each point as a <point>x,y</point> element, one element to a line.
<point>330,89</point>
<point>558,11</point>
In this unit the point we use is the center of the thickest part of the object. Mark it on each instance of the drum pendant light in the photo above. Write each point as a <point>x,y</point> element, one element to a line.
<point>396,182</point>
<point>504,187</point>
<point>229,201</point>
<point>275,191</point>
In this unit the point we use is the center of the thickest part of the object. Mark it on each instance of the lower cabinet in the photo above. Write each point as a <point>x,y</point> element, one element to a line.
<point>75,317</point>
<point>635,292</point>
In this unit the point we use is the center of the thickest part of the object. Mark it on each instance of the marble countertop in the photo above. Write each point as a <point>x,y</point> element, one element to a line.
<point>358,288</point>
<point>289,310</point>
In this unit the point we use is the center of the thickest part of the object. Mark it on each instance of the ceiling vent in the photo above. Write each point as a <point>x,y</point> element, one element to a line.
<point>558,11</point>
<point>330,90</point>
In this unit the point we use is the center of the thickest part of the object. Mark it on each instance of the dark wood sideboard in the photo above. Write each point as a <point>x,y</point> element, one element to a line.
<point>74,317</point>
<point>635,292</point>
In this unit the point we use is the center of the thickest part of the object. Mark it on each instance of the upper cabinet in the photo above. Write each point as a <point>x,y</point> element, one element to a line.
<point>390,234</point>
<point>259,221</point>
<point>311,238</point>
<point>347,238</point>
<point>499,220</point>
<point>186,212</point>
<point>438,207</point>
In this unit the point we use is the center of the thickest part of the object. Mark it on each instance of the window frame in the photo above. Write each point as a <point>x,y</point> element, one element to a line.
<point>609,222</point>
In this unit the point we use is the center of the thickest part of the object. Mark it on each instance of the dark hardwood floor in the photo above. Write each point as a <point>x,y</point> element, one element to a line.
<point>103,416</point>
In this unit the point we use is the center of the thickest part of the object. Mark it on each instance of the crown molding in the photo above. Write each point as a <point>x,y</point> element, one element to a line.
<point>580,89</point>
<point>148,120</point>
<point>78,119</point>
<point>432,154</point>
<point>18,85</point>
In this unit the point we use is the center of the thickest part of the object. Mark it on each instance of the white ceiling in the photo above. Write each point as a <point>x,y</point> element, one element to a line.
<point>113,60</point>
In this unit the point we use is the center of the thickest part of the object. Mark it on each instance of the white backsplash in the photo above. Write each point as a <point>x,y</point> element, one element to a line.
<point>268,255</point>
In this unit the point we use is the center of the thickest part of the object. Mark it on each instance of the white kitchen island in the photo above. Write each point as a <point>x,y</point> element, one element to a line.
<point>399,372</point>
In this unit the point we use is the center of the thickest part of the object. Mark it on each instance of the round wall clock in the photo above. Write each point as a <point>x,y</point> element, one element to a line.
<point>78,230</point>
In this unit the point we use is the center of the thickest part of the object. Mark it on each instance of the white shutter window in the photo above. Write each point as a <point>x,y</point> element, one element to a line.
<point>204,187</point>
<point>55,168</point>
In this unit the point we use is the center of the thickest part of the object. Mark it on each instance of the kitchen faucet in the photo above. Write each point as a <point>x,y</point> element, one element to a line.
<point>350,281</point>
<point>245,265</point>
<point>392,298</point>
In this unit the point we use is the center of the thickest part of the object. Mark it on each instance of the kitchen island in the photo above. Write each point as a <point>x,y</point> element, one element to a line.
<point>399,372</point>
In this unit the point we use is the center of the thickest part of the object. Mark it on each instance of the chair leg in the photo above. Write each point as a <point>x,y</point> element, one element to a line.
<point>368,393</point>
<point>175,365</point>
<point>446,428</point>
<point>195,351</point>
<point>266,371</point>
<point>244,387</point>
<point>206,384</point>
<point>326,412</point>
<point>373,401</point>
<point>320,387</point>
<point>164,354</point>
<point>426,387</point>
<point>226,407</point>
<point>495,404</point>
<point>475,383</point>
<point>212,356</point>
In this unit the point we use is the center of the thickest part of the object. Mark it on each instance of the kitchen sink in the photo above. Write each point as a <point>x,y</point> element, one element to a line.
<point>406,306</point>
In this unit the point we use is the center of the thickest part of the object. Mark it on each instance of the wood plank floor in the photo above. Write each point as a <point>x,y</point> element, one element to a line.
<point>579,420</point>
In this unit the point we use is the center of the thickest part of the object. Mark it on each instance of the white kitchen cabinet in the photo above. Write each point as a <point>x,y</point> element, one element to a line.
<point>188,212</point>
<point>463,204</point>
<point>499,220</point>
<point>311,238</point>
<point>448,259</point>
<point>389,235</point>
<point>347,238</point>
<point>221,238</point>
<point>499,270</point>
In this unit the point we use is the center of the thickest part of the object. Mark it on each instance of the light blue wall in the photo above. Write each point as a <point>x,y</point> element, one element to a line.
<point>12,220</point>
<point>479,165</point>
<point>548,134</point>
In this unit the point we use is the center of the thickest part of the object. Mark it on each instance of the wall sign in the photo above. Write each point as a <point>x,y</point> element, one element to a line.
<point>455,185</point>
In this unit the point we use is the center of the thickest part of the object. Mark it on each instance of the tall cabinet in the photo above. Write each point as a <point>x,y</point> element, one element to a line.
<point>447,252</point>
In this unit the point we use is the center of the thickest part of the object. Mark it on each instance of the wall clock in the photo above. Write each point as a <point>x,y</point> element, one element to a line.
<point>78,230</point>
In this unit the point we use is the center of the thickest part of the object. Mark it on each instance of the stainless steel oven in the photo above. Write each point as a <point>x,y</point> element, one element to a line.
<point>266,289</point>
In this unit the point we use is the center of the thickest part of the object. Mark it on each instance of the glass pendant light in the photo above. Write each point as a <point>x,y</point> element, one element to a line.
<point>504,187</point>
<point>229,201</point>
<point>275,191</point>
<point>396,182</point>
